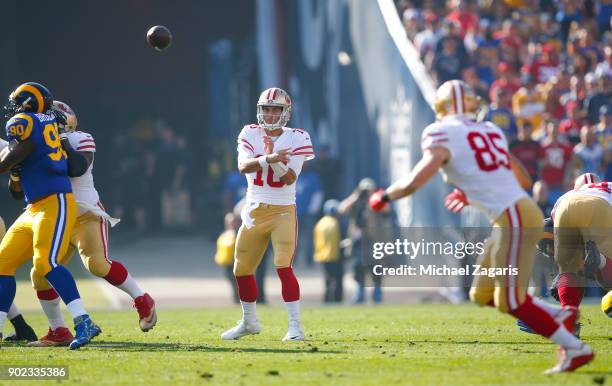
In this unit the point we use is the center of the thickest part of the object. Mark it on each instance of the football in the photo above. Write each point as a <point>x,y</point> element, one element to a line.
<point>159,37</point>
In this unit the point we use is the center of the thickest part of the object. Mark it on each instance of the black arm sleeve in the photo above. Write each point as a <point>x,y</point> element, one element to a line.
<point>77,163</point>
<point>16,194</point>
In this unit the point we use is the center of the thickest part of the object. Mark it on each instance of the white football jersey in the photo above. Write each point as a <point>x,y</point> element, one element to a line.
<point>264,186</point>
<point>83,187</point>
<point>479,162</point>
<point>602,190</point>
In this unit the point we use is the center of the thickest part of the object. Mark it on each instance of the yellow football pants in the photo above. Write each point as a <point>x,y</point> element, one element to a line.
<point>39,232</point>
<point>90,238</point>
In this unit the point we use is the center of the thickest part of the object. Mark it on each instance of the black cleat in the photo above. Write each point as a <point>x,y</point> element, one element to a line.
<point>591,259</point>
<point>27,334</point>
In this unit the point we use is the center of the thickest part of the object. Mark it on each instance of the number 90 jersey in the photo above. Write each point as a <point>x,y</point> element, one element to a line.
<point>45,170</point>
<point>264,186</point>
<point>479,162</point>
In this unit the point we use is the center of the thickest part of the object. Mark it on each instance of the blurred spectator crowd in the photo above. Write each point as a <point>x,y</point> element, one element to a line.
<point>542,69</point>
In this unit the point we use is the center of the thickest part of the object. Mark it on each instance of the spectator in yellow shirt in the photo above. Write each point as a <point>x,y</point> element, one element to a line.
<point>326,235</point>
<point>528,104</point>
<point>224,256</point>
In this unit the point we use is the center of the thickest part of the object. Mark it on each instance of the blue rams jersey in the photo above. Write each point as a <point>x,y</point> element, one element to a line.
<point>45,170</point>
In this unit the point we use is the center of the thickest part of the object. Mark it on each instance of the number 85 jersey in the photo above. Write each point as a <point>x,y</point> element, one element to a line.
<point>479,162</point>
<point>45,170</point>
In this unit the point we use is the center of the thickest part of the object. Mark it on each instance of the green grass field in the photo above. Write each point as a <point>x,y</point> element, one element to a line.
<point>403,345</point>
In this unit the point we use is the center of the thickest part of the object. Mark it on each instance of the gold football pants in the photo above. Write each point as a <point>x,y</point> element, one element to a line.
<point>577,219</point>
<point>512,243</point>
<point>271,222</point>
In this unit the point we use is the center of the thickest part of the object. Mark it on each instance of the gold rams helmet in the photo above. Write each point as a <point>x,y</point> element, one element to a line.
<point>586,179</point>
<point>455,97</point>
<point>276,97</point>
<point>71,119</point>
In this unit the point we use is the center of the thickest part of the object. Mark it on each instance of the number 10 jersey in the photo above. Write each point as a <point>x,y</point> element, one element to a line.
<point>264,186</point>
<point>479,162</point>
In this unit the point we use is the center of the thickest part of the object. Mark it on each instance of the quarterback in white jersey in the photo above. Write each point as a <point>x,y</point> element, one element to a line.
<point>474,157</point>
<point>89,236</point>
<point>271,156</point>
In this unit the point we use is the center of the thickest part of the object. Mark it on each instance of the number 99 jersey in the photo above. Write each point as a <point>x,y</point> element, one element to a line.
<point>45,170</point>
<point>479,162</point>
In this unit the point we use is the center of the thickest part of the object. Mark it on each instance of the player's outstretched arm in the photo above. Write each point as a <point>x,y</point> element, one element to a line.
<point>520,172</point>
<point>14,154</point>
<point>432,160</point>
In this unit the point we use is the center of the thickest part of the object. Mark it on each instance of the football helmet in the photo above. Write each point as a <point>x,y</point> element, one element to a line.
<point>586,179</point>
<point>455,97</point>
<point>71,119</point>
<point>29,97</point>
<point>274,97</point>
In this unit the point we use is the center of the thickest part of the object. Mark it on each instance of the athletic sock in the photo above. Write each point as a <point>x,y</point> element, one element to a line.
<point>570,294</point>
<point>13,312</point>
<point>293,310</point>
<point>63,282</point>
<point>552,309</point>
<point>249,311</point>
<point>76,308</point>
<point>50,303</point>
<point>291,287</point>
<point>247,291</point>
<point>120,278</point>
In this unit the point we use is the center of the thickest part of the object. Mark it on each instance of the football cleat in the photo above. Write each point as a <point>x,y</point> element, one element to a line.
<point>26,334</point>
<point>571,359</point>
<point>61,336</point>
<point>145,305</point>
<point>294,332</point>
<point>591,259</point>
<point>86,330</point>
<point>243,328</point>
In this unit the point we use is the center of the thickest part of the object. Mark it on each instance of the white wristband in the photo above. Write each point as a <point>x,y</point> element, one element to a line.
<point>279,168</point>
<point>262,161</point>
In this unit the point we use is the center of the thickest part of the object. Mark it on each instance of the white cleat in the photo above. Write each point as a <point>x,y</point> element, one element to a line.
<point>243,328</point>
<point>571,359</point>
<point>294,332</point>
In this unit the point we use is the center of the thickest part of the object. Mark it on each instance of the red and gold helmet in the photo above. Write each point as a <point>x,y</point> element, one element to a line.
<point>71,119</point>
<point>455,97</point>
<point>276,97</point>
<point>586,179</point>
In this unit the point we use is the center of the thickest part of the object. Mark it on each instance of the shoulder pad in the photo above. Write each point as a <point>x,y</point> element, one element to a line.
<point>252,126</point>
<point>20,126</point>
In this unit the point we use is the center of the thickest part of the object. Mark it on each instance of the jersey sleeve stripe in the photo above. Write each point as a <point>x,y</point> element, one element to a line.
<point>303,147</point>
<point>302,153</point>
<point>247,144</point>
<point>435,134</point>
<point>85,147</point>
<point>440,140</point>
<point>86,140</point>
